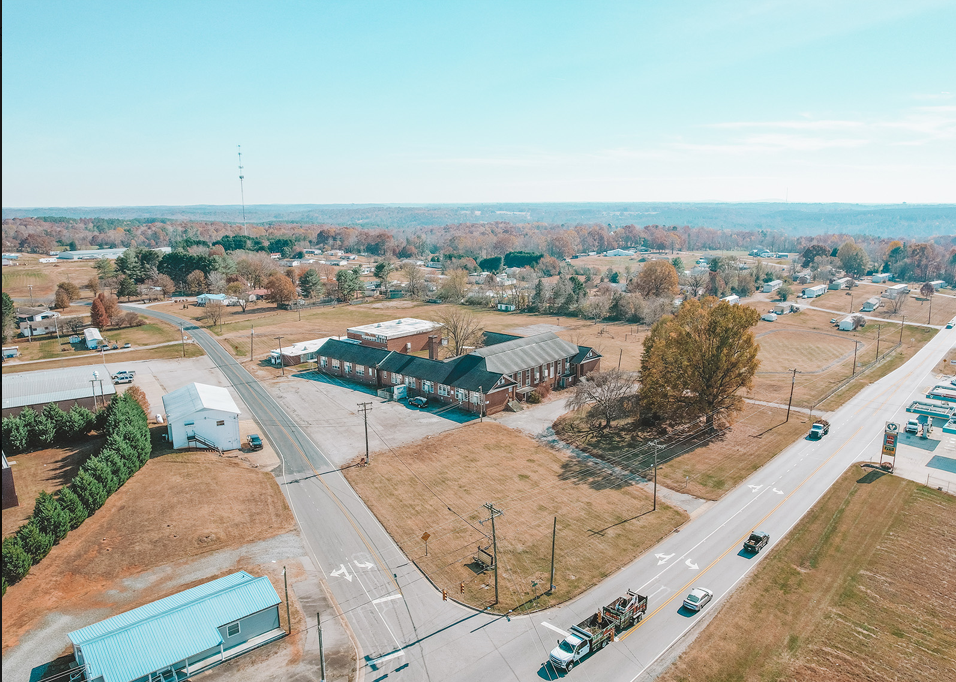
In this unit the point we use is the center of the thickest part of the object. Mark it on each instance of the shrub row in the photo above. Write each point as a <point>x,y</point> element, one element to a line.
<point>52,426</point>
<point>126,450</point>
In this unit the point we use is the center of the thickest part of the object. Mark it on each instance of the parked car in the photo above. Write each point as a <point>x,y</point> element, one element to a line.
<point>418,401</point>
<point>255,443</point>
<point>912,426</point>
<point>127,345</point>
<point>756,542</point>
<point>123,377</point>
<point>114,347</point>
<point>697,598</point>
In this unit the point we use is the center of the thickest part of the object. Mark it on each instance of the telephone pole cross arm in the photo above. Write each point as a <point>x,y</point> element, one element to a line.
<point>494,540</point>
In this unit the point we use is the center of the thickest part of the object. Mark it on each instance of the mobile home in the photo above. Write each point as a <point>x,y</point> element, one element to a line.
<point>895,291</point>
<point>870,304</point>
<point>815,291</point>
<point>880,278</point>
<point>842,283</point>
<point>770,287</point>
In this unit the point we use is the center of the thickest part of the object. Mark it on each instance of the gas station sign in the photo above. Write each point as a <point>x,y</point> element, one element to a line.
<point>890,435</point>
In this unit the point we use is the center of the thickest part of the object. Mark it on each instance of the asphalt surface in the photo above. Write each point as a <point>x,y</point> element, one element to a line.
<point>406,632</point>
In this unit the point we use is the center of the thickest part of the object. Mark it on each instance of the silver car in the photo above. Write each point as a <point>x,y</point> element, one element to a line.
<point>697,598</point>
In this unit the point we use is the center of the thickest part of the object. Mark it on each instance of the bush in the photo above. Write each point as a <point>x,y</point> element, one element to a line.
<point>36,543</point>
<point>72,505</point>
<point>16,562</point>
<point>50,518</point>
<point>534,398</point>
<point>543,390</point>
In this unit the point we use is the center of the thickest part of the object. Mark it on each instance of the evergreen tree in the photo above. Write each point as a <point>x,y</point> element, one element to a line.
<point>16,562</point>
<point>45,431</point>
<point>539,301</point>
<point>311,283</point>
<point>97,467</point>
<point>50,517</point>
<point>28,417</point>
<point>73,507</point>
<point>89,490</point>
<point>121,469</point>
<point>60,420</point>
<point>36,543</point>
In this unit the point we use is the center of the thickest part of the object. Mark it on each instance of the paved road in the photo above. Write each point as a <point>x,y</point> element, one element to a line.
<point>406,632</point>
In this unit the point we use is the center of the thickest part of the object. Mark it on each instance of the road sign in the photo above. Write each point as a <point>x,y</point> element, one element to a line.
<point>425,537</point>
<point>890,434</point>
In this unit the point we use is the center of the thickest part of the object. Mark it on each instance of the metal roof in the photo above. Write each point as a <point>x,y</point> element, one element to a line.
<point>195,397</point>
<point>91,333</point>
<point>53,386</point>
<point>136,643</point>
<point>393,329</point>
<point>531,351</point>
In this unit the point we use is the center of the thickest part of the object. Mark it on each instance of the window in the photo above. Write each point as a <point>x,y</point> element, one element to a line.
<point>232,629</point>
<point>476,397</point>
<point>442,389</point>
<point>397,379</point>
<point>348,367</point>
<point>360,370</point>
<point>428,387</point>
<point>221,422</point>
<point>324,361</point>
<point>335,363</point>
<point>537,375</point>
<point>461,394</point>
<point>189,424</point>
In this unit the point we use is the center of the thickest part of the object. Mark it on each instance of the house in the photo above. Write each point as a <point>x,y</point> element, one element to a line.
<point>406,334</point>
<point>880,278</point>
<point>733,299</point>
<point>48,260</point>
<point>11,352</point>
<point>35,321</point>
<point>784,308</point>
<point>842,283</point>
<point>203,299</point>
<point>896,291</point>
<point>938,284</point>
<point>93,338</point>
<point>182,635</point>
<point>482,381</point>
<point>65,387</point>
<point>200,415</point>
<point>870,304</point>
<point>258,294</point>
<point>852,322</point>
<point>10,498</point>
<point>770,287</point>
<point>814,291</point>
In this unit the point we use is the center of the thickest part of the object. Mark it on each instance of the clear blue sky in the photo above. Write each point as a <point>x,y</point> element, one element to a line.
<point>143,103</point>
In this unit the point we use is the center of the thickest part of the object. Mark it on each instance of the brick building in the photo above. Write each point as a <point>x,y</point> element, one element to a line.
<point>405,335</point>
<point>506,368</point>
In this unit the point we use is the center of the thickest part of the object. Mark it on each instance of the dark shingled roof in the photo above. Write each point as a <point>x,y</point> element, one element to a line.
<point>353,352</point>
<point>583,353</point>
<point>465,371</point>
<point>494,338</point>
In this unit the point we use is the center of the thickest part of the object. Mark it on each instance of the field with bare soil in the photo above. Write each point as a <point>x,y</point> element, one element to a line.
<point>438,486</point>
<point>700,464</point>
<point>861,589</point>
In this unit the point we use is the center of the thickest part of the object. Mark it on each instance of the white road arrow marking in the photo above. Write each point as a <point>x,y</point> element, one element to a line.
<point>755,488</point>
<point>779,492</point>
<point>663,558</point>
<point>691,566</point>
<point>342,572</point>
<point>363,565</point>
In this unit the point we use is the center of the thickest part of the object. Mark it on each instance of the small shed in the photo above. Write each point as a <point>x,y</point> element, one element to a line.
<point>182,635</point>
<point>880,278</point>
<point>506,307</point>
<point>770,287</point>
<point>815,291</point>
<point>11,351</point>
<point>93,338</point>
<point>870,304</point>
<point>938,284</point>
<point>733,299</point>
<point>202,415</point>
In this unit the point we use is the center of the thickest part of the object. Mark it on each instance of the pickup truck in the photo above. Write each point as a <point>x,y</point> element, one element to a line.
<point>124,377</point>
<point>756,542</point>
<point>820,428</point>
<point>597,630</point>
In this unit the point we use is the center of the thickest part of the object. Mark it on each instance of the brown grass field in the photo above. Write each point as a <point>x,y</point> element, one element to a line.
<point>80,359</point>
<point>701,465</point>
<point>603,522</point>
<point>47,346</point>
<point>861,589</point>
<point>44,277</point>
<point>179,505</point>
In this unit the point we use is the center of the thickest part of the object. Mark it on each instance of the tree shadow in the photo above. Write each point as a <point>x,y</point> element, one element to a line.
<point>871,476</point>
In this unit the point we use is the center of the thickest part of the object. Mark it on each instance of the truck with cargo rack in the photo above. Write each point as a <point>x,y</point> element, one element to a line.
<point>820,428</point>
<point>598,629</point>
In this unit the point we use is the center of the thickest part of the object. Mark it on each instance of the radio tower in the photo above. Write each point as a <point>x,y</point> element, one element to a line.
<point>241,192</point>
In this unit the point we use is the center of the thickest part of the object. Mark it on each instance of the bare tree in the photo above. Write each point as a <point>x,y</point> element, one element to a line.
<point>213,312</point>
<point>462,329</point>
<point>696,281</point>
<point>895,305</point>
<point>605,392</point>
<point>416,280</point>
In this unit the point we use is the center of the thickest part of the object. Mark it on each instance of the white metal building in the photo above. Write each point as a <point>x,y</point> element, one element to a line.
<point>770,287</point>
<point>93,338</point>
<point>880,278</point>
<point>202,415</point>
<point>895,291</point>
<point>842,283</point>
<point>813,292</point>
<point>870,304</point>
<point>733,299</point>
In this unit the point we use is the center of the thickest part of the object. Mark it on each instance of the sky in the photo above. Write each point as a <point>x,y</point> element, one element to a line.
<point>144,103</point>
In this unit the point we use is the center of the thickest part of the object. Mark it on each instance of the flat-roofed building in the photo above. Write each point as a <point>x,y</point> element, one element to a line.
<point>406,334</point>
<point>64,387</point>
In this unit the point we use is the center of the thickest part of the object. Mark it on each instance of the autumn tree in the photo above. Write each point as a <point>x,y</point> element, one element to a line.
<point>71,290</point>
<point>812,252</point>
<point>281,289</point>
<point>695,362</point>
<point>213,312</point>
<point>61,300</point>
<point>462,329</point>
<point>93,284</point>
<point>455,286</point>
<point>854,259</point>
<point>656,278</point>
<point>605,392</point>
<point>98,316</point>
<point>196,282</point>
<point>241,293</point>
<point>165,283</point>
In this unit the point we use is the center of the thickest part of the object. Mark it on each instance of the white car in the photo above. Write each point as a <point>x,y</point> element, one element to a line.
<point>697,598</point>
<point>912,426</point>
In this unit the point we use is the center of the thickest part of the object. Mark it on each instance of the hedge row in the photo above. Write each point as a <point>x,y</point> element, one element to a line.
<point>126,450</point>
<point>52,426</point>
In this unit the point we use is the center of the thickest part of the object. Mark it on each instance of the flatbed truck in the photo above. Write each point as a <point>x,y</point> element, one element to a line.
<point>598,629</point>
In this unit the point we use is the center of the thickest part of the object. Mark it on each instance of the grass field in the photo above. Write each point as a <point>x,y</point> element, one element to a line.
<point>161,353</point>
<point>44,277</point>
<point>699,464</point>
<point>178,506</point>
<point>603,522</point>
<point>861,589</point>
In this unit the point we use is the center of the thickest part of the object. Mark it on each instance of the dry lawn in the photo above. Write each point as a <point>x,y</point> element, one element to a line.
<point>44,277</point>
<point>48,346</point>
<point>43,470</point>
<point>703,465</point>
<point>160,353</point>
<point>178,506</point>
<point>439,485</point>
<point>861,589</point>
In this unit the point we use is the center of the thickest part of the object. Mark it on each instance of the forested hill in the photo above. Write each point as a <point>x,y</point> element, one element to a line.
<point>892,221</point>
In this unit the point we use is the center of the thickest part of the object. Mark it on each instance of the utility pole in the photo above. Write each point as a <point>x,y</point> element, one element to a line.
<point>619,357</point>
<point>655,474</point>
<point>252,342</point>
<point>30,287</point>
<point>365,407</point>
<point>281,363</point>
<point>494,540</point>
<point>242,193</point>
<point>318,621</point>
<point>901,329</point>
<point>288,617</point>
<point>879,328</point>
<point>929,320</point>
<point>182,337</point>
<point>856,345</point>
<point>554,535</point>
<point>793,381</point>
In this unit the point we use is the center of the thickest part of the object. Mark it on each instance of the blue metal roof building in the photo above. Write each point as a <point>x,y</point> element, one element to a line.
<point>182,634</point>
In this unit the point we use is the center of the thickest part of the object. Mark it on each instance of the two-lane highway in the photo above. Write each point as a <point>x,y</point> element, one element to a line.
<point>406,632</point>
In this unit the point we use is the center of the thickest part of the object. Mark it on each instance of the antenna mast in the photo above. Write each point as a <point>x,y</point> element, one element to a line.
<point>241,191</point>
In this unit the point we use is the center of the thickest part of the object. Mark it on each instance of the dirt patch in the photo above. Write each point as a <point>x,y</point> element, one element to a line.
<point>881,604</point>
<point>439,486</point>
<point>701,464</point>
<point>178,506</point>
<point>48,470</point>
